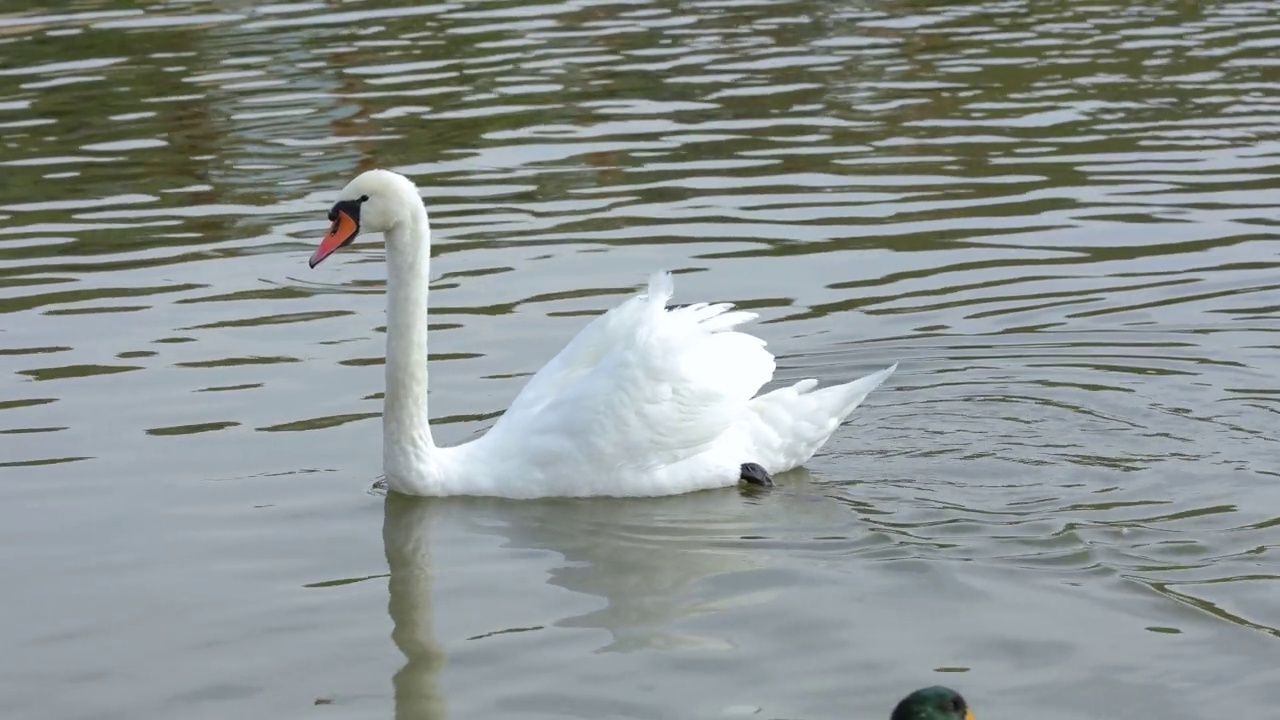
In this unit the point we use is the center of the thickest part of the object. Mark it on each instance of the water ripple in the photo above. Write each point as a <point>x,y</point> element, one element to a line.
<point>1059,218</point>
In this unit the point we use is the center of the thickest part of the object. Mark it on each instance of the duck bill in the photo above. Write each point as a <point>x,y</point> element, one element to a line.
<point>342,231</point>
<point>968,714</point>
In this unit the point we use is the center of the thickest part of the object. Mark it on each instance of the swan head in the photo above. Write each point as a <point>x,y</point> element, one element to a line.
<point>375,201</point>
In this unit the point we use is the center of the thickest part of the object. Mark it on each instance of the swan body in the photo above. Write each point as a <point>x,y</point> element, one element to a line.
<point>646,400</point>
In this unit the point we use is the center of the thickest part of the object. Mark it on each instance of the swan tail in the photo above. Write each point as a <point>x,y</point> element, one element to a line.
<point>841,400</point>
<point>791,423</point>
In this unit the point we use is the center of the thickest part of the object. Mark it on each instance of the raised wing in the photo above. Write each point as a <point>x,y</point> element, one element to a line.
<point>582,354</point>
<point>649,387</point>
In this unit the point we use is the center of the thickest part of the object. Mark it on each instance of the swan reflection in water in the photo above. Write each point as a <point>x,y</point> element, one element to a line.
<point>645,558</point>
<point>406,530</point>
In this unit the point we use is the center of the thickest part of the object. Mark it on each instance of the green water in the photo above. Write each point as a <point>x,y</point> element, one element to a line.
<point>1060,218</point>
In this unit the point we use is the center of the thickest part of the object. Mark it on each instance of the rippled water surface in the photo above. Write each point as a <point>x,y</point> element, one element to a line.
<point>1061,218</point>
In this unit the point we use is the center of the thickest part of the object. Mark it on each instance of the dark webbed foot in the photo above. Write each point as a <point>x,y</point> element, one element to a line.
<point>756,475</point>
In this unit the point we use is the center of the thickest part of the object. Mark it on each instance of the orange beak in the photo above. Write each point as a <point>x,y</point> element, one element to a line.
<point>968,714</point>
<point>342,231</point>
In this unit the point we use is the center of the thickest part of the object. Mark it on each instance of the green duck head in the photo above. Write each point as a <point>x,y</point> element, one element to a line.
<point>933,703</point>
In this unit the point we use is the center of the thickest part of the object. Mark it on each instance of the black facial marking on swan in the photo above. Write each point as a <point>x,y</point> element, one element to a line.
<point>350,207</point>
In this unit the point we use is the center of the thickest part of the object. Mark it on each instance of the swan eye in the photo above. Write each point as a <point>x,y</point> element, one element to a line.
<point>363,198</point>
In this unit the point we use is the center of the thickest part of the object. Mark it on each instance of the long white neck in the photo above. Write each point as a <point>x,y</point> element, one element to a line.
<point>407,446</point>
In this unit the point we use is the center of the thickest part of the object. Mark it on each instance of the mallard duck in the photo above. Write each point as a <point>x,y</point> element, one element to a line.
<point>932,703</point>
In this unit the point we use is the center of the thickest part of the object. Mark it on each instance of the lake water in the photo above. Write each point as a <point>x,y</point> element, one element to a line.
<point>1061,218</point>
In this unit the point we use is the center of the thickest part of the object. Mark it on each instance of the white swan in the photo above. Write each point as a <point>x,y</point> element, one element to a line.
<point>646,400</point>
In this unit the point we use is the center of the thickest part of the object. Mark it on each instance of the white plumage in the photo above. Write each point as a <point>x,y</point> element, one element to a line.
<point>645,400</point>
